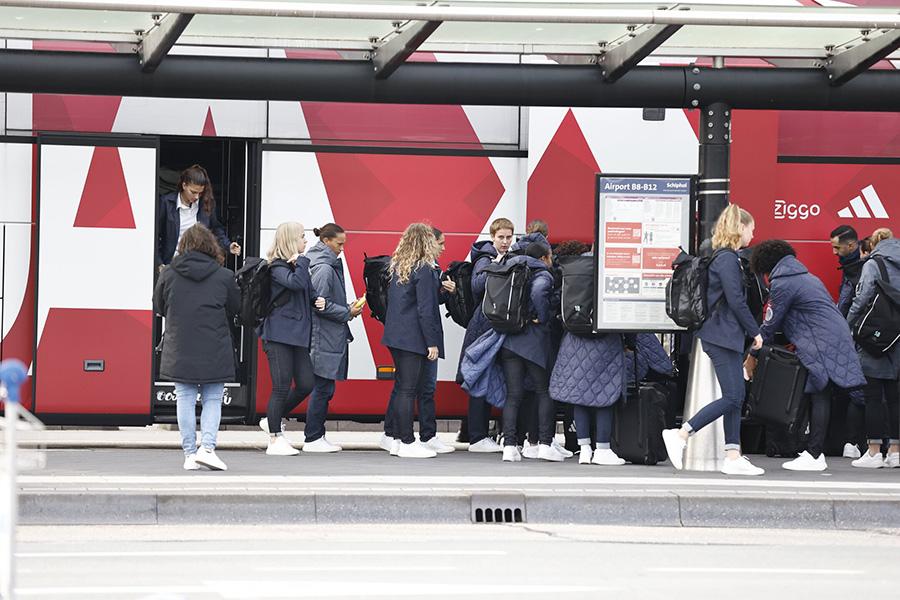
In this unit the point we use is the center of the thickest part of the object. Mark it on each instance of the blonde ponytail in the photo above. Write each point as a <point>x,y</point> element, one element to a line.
<point>730,227</point>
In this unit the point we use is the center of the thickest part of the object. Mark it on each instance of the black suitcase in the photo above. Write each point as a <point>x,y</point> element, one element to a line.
<point>638,425</point>
<point>780,441</point>
<point>776,394</point>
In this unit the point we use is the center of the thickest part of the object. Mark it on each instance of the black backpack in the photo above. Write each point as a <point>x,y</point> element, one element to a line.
<point>757,289</point>
<point>577,298</point>
<point>461,303</point>
<point>255,281</point>
<point>506,288</point>
<point>686,290</point>
<point>878,329</point>
<point>377,276</point>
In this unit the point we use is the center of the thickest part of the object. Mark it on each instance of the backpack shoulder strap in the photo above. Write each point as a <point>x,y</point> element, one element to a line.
<point>884,274</point>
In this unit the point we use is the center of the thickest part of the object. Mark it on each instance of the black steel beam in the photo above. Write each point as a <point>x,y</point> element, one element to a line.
<point>845,65</point>
<point>621,59</point>
<point>159,40</point>
<point>241,78</point>
<point>396,50</point>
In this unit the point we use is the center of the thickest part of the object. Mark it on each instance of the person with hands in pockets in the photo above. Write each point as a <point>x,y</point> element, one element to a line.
<point>286,333</point>
<point>723,337</point>
<point>412,330</point>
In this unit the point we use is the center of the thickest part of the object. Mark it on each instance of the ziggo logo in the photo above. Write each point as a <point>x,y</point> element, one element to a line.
<point>784,210</point>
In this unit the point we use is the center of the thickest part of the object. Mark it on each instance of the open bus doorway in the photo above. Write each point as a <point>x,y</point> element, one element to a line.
<point>230,165</point>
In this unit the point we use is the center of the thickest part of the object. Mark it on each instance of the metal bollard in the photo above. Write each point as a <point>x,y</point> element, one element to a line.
<point>706,449</point>
<point>12,374</point>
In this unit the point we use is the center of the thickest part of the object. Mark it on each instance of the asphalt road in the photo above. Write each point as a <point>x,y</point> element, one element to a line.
<point>458,561</point>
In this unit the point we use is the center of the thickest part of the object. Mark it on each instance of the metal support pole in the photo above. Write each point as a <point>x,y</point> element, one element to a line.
<point>705,451</point>
<point>12,374</point>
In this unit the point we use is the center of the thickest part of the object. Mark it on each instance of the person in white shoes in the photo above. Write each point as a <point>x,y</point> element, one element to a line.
<point>286,331</point>
<point>199,299</point>
<point>330,341</point>
<point>723,337</point>
<point>802,309</point>
<point>881,393</point>
<point>413,331</point>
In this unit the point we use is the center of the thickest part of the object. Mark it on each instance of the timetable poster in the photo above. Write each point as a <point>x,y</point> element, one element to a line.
<point>642,221</point>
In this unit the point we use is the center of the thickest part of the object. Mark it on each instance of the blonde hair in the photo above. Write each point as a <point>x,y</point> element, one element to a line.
<point>417,247</point>
<point>882,233</point>
<point>730,227</point>
<point>499,224</point>
<point>284,245</point>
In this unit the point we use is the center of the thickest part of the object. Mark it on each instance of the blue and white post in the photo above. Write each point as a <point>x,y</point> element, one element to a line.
<point>12,374</point>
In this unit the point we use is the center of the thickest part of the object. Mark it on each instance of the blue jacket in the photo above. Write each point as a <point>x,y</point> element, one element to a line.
<point>291,323</point>
<point>730,323</point>
<point>483,252</point>
<point>330,332</point>
<point>413,321</point>
<point>168,224</point>
<point>589,371</point>
<point>523,242</point>
<point>481,371</point>
<point>880,367</point>
<point>650,355</point>
<point>801,308</point>
<point>533,343</point>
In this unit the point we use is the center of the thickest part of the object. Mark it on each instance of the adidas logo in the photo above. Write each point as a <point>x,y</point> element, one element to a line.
<point>860,208</point>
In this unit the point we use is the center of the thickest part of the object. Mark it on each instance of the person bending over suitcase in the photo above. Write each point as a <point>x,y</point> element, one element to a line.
<point>801,308</point>
<point>723,335</point>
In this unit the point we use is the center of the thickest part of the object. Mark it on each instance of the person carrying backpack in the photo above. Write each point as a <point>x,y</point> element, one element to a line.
<point>412,330</point>
<point>881,371</point>
<point>528,352</point>
<point>286,332</point>
<point>484,252</point>
<point>723,335</point>
<point>199,299</point>
<point>329,347</point>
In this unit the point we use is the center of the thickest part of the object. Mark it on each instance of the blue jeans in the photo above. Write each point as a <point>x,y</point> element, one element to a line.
<point>317,409</point>
<point>603,418</point>
<point>210,415</point>
<point>424,405</point>
<point>729,367</point>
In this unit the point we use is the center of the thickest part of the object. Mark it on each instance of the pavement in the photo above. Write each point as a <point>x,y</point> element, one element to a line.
<point>133,476</point>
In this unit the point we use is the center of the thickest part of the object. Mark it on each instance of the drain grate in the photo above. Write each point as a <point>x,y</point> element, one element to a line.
<point>498,508</point>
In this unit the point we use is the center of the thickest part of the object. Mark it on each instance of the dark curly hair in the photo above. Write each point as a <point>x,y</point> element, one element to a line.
<point>571,248</point>
<point>766,255</point>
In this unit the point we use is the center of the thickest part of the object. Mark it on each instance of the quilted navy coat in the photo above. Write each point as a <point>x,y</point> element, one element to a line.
<point>887,366</point>
<point>801,307</point>
<point>482,373</point>
<point>650,355</point>
<point>589,371</point>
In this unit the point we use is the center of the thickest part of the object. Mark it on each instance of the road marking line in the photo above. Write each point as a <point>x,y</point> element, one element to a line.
<point>239,552</point>
<point>756,571</point>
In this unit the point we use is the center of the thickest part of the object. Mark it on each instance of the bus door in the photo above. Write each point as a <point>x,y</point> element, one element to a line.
<point>96,198</point>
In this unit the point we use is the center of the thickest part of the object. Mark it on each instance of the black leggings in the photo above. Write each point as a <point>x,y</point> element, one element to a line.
<point>882,402</point>
<point>287,362</point>
<point>514,369</point>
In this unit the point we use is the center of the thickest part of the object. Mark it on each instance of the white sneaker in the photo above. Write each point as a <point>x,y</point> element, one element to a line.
<point>740,466</point>
<point>386,442</point>
<point>320,445</point>
<point>281,447</point>
<point>485,445</point>
<point>415,450</point>
<point>892,461</point>
<point>190,463</point>
<point>550,453</point>
<point>438,446</point>
<point>607,458</point>
<point>867,461</point>
<point>395,447</point>
<point>529,450</point>
<point>264,425</point>
<point>851,451</point>
<point>561,449</point>
<point>674,447</point>
<point>511,454</point>
<point>805,462</point>
<point>584,457</point>
<point>208,458</point>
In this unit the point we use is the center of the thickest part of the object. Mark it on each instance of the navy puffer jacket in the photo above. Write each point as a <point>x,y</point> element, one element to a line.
<point>801,307</point>
<point>329,347</point>
<point>589,371</point>
<point>650,356</point>
<point>887,366</point>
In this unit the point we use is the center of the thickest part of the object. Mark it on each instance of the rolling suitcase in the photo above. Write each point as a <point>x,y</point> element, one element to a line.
<point>776,394</point>
<point>638,424</point>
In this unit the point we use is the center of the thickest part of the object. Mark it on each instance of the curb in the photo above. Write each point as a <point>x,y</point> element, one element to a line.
<point>659,509</point>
